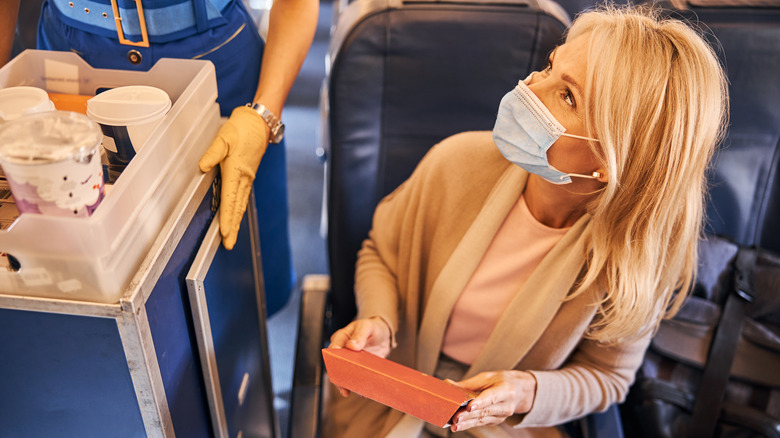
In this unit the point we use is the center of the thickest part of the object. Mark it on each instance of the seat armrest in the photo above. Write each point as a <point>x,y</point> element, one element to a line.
<point>307,377</point>
<point>605,424</point>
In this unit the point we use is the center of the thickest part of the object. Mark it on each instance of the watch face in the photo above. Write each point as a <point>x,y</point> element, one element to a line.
<point>276,127</point>
<point>278,134</point>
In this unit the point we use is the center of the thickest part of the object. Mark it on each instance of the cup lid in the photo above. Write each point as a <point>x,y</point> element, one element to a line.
<point>18,101</point>
<point>49,137</point>
<point>130,105</point>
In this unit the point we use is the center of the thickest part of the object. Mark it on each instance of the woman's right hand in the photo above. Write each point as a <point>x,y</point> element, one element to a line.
<point>370,334</point>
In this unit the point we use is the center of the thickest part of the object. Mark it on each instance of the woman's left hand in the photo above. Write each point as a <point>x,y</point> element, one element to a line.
<point>501,394</point>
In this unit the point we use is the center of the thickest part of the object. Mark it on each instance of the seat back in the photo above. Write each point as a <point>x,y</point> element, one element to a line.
<point>744,206</point>
<point>402,77</point>
<point>745,176</point>
<point>574,7</point>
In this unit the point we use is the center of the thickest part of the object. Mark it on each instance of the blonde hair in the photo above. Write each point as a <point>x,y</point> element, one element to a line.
<point>659,107</point>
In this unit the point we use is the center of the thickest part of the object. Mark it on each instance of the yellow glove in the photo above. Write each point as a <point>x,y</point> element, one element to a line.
<point>238,149</point>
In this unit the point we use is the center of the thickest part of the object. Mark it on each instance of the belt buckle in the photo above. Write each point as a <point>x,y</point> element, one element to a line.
<point>121,34</point>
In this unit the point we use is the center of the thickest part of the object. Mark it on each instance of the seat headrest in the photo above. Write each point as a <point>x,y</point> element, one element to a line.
<point>685,4</point>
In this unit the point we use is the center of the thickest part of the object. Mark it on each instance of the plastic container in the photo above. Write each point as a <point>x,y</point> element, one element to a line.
<point>52,163</point>
<point>94,258</point>
<point>16,102</point>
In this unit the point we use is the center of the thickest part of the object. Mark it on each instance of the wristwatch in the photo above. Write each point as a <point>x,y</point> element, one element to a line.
<point>274,124</point>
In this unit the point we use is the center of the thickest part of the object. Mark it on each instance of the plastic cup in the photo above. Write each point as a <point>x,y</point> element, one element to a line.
<point>127,116</point>
<point>16,102</point>
<point>52,163</point>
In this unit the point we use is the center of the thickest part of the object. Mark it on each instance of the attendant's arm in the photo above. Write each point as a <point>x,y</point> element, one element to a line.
<point>242,140</point>
<point>290,32</point>
<point>9,11</point>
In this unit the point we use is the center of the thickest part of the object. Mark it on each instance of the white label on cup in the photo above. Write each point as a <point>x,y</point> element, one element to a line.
<point>109,143</point>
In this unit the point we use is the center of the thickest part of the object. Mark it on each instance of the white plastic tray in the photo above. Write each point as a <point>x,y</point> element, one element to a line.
<point>93,259</point>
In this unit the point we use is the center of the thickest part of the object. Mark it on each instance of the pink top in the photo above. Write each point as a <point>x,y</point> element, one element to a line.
<point>517,248</point>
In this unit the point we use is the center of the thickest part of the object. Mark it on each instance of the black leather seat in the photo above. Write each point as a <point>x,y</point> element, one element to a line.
<point>745,178</point>
<point>744,203</point>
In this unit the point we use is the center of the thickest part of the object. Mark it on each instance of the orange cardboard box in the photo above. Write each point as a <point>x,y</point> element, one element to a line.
<point>392,384</point>
<point>70,102</point>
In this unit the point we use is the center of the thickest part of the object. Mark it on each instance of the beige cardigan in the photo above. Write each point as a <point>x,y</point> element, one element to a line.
<point>427,239</point>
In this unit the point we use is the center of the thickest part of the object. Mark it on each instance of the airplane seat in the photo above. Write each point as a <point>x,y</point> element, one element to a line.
<point>574,7</point>
<point>744,209</point>
<point>744,199</point>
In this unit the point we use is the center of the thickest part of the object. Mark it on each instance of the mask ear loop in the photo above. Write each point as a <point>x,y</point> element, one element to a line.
<point>594,175</point>
<point>580,137</point>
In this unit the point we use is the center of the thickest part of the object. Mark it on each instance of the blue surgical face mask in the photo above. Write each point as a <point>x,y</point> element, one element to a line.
<point>525,129</point>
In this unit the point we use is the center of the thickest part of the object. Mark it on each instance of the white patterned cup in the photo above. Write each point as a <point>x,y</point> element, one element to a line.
<point>52,163</point>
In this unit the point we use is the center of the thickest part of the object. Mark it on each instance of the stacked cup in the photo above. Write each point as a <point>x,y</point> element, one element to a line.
<point>16,102</point>
<point>127,116</point>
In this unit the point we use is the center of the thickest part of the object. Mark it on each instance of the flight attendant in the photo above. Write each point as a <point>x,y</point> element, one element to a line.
<point>134,35</point>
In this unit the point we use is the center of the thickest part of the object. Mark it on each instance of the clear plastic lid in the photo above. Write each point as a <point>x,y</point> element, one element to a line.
<point>49,137</point>
<point>18,101</point>
<point>130,105</point>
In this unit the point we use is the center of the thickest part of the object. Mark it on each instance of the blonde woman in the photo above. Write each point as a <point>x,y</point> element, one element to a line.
<point>531,264</point>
